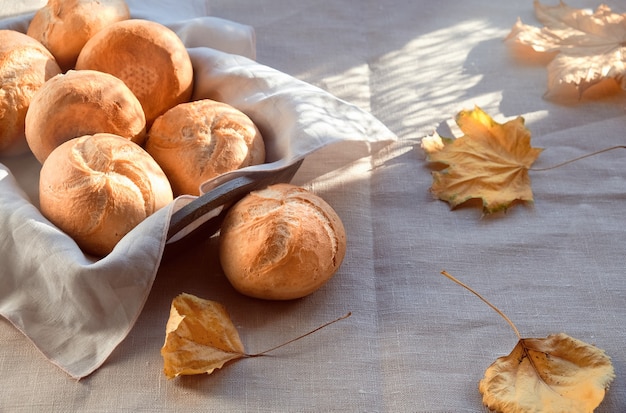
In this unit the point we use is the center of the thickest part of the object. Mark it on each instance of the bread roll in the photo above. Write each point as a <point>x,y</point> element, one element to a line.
<point>96,188</point>
<point>25,65</point>
<point>81,103</point>
<point>281,243</point>
<point>148,57</point>
<point>64,26</point>
<point>199,140</point>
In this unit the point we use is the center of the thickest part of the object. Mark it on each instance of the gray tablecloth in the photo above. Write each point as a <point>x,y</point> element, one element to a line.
<point>416,342</point>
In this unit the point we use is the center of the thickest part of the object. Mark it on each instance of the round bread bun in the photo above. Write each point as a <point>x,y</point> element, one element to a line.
<point>148,57</point>
<point>281,243</point>
<point>64,26</point>
<point>199,140</point>
<point>82,102</point>
<point>96,188</point>
<point>25,65</point>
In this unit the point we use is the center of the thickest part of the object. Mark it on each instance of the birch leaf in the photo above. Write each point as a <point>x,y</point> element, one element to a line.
<point>200,337</point>
<point>585,47</point>
<point>553,374</point>
<point>489,162</point>
<point>556,374</point>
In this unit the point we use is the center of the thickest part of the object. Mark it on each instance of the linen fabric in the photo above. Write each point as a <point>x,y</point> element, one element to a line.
<point>416,342</point>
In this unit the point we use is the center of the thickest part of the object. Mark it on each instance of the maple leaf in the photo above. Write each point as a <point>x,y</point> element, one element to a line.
<point>200,337</point>
<point>587,47</point>
<point>557,373</point>
<point>489,162</point>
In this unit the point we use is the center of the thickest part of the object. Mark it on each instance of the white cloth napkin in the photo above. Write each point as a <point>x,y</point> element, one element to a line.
<point>77,309</point>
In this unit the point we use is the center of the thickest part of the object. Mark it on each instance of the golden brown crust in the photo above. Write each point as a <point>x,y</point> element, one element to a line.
<point>281,243</point>
<point>64,26</point>
<point>81,103</point>
<point>25,65</point>
<point>196,141</point>
<point>97,188</point>
<point>148,57</point>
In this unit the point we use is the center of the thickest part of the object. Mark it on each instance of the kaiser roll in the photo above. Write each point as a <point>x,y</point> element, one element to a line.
<point>64,26</point>
<point>199,140</point>
<point>281,243</point>
<point>96,188</point>
<point>25,65</point>
<point>82,102</point>
<point>148,57</point>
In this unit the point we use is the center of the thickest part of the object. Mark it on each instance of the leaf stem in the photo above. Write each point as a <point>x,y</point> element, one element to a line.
<point>468,288</point>
<point>577,159</point>
<point>262,353</point>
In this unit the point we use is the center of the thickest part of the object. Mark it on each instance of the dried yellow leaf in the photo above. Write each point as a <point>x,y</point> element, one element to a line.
<point>584,48</point>
<point>553,374</point>
<point>489,162</point>
<point>432,143</point>
<point>200,337</point>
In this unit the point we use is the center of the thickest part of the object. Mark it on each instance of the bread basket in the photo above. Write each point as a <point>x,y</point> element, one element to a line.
<point>41,266</point>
